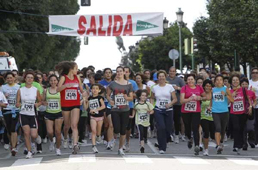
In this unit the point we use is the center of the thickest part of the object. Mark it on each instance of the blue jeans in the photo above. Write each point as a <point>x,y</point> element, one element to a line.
<point>164,123</point>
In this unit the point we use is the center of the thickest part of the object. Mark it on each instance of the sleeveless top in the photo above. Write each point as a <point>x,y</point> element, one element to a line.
<point>70,96</point>
<point>219,101</point>
<point>53,102</point>
<point>28,99</point>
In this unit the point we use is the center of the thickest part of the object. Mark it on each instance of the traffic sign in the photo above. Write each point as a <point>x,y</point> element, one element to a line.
<point>173,54</point>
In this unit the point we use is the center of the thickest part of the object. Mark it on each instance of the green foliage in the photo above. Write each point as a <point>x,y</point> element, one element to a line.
<point>31,50</point>
<point>232,25</point>
<point>153,53</point>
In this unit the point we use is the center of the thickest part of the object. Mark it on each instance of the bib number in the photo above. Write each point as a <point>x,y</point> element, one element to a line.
<point>120,100</point>
<point>238,106</point>
<point>70,94</point>
<point>28,107</point>
<point>191,106</point>
<point>162,103</point>
<point>207,113</point>
<point>11,102</point>
<point>53,105</point>
<point>218,97</point>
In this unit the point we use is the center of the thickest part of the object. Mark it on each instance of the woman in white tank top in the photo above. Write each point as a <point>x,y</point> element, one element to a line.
<point>28,99</point>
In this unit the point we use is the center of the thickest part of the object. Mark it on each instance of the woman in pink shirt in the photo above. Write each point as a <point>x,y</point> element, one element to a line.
<point>238,111</point>
<point>190,97</point>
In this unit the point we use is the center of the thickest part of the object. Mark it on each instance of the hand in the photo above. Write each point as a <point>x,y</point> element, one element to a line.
<point>250,111</point>
<point>6,94</point>
<point>167,106</point>
<point>209,108</point>
<point>198,98</point>
<point>85,94</point>
<point>125,96</point>
<point>44,103</point>
<point>92,112</point>
<point>18,105</point>
<point>234,94</point>
<point>223,93</point>
<point>3,104</point>
<point>175,87</point>
<point>36,105</point>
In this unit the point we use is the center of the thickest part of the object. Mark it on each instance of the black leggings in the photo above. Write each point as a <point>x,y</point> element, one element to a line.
<point>239,123</point>
<point>42,130</point>
<point>177,118</point>
<point>220,122</point>
<point>192,122</point>
<point>11,123</point>
<point>142,132</point>
<point>256,124</point>
<point>120,121</point>
<point>208,128</point>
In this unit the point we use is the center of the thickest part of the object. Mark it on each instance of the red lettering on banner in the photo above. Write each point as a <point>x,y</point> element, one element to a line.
<point>109,25</point>
<point>82,29</point>
<point>92,28</point>
<point>100,31</point>
<point>117,31</point>
<point>128,30</point>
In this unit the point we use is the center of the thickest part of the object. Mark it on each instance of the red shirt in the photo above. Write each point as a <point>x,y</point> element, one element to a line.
<point>251,95</point>
<point>192,106</point>
<point>70,96</point>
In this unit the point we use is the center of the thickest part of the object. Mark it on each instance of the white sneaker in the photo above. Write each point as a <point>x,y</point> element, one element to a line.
<point>54,139</point>
<point>38,140</point>
<point>70,144</point>
<point>176,139</point>
<point>29,155</point>
<point>65,143</point>
<point>76,149</point>
<point>95,150</point>
<point>172,138</point>
<point>161,151</point>
<point>45,140</point>
<point>99,140</point>
<point>58,152</point>
<point>121,152</point>
<point>206,152</point>
<point>51,146</point>
<point>225,138</point>
<point>33,148</point>
<point>6,146</point>
<point>127,148</point>
<point>183,138</point>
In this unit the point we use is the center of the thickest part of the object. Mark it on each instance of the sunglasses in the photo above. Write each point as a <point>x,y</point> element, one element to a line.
<point>254,72</point>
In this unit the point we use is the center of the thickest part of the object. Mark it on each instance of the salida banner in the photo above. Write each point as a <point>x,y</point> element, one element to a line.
<point>107,24</point>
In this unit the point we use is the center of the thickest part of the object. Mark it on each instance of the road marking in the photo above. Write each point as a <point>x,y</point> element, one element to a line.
<point>212,144</point>
<point>243,161</point>
<point>82,158</point>
<point>142,159</point>
<point>27,162</point>
<point>152,147</point>
<point>192,161</point>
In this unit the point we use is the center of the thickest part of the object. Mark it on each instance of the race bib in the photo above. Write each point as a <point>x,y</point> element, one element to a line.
<point>70,94</point>
<point>28,106</point>
<point>191,106</point>
<point>218,97</point>
<point>238,106</point>
<point>53,105</point>
<point>143,117</point>
<point>11,102</point>
<point>94,104</point>
<point>162,103</point>
<point>120,100</point>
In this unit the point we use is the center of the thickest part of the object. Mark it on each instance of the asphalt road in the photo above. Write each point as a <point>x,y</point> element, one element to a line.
<point>177,156</point>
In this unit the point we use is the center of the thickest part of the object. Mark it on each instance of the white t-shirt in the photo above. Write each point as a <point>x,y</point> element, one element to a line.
<point>253,85</point>
<point>2,99</point>
<point>150,83</point>
<point>163,95</point>
<point>28,99</point>
<point>11,92</point>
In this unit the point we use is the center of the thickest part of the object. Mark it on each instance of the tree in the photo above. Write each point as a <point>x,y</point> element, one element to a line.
<point>36,50</point>
<point>153,53</point>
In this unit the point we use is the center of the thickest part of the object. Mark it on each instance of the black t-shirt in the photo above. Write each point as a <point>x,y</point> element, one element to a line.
<point>94,103</point>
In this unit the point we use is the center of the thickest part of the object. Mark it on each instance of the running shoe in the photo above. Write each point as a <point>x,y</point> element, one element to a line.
<point>196,150</point>
<point>252,145</point>
<point>190,144</point>
<point>51,146</point>
<point>29,155</point>
<point>236,150</point>
<point>95,150</point>
<point>156,144</point>
<point>206,152</point>
<point>99,140</point>
<point>245,146</point>
<point>201,147</point>
<point>183,138</point>
<point>142,149</point>
<point>14,151</point>
<point>176,139</point>
<point>33,148</point>
<point>65,143</point>
<point>25,151</point>
<point>121,152</point>
<point>45,140</point>
<point>38,140</point>
<point>127,148</point>
<point>109,146</point>
<point>70,145</point>
<point>161,151</point>
<point>54,139</point>
<point>76,149</point>
<point>219,149</point>
<point>58,152</point>
<point>6,146</point>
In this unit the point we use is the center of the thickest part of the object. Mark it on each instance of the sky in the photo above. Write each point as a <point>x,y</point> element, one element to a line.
<point>102,52</point>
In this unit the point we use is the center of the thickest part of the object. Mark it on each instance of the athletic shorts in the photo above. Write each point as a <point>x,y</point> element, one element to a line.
<point>97,119</point>
<point>28,120</point>
<point>70,108</point>
<point>108,112</point>
<point>53,116</point>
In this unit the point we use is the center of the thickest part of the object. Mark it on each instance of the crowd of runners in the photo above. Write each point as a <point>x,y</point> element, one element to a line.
<point>67,105</point>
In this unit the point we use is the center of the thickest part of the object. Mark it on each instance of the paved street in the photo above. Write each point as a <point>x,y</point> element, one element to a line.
<point>178,156</point>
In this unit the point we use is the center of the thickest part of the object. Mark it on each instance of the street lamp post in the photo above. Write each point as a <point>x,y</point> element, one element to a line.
<point>179,15</point>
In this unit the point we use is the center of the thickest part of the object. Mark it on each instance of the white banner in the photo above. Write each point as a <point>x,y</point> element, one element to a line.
<point>106,24</point>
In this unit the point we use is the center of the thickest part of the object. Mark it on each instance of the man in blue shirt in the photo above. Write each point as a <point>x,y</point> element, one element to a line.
<point>131,124</point>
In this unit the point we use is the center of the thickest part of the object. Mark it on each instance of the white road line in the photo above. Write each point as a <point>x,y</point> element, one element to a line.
<point>82,158</point>
<point>142,159</point>
<point>192,161</point>
<point>243,161</point>
<point>27,162</point>
<point>152,147</point>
